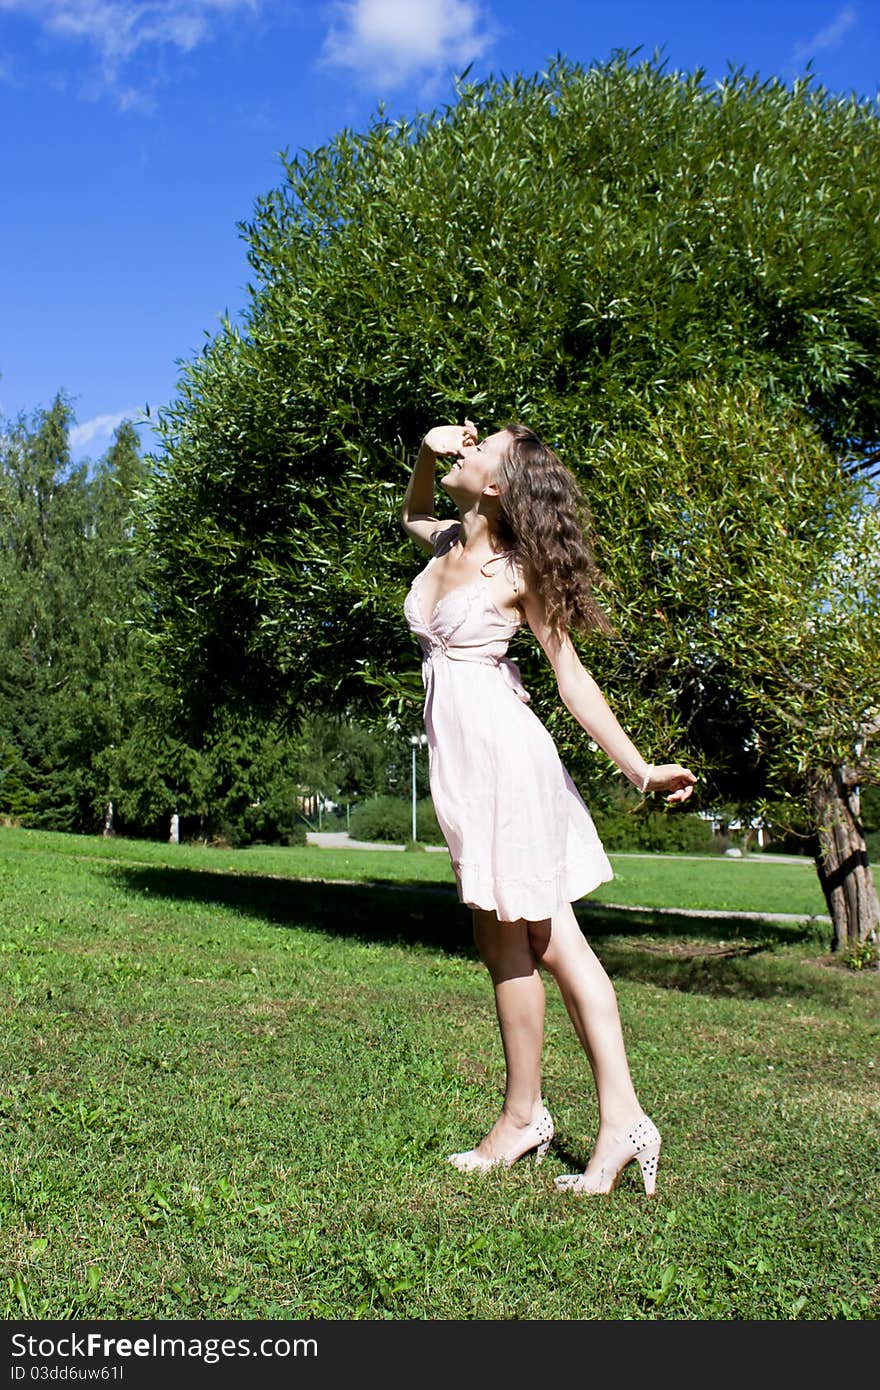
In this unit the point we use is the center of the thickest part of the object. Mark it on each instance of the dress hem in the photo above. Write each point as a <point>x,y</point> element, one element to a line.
<point>471,896</point>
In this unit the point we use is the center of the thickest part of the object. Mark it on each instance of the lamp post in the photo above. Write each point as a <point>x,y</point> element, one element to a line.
<point>417,741</point>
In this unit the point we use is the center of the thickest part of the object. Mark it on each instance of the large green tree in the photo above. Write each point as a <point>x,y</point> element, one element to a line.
<point>751,573</point>
<point>89,737</point>
<point>68,647</point>
<point>679,287</point>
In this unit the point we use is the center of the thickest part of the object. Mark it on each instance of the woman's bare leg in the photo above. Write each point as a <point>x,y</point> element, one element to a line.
<point>560,947</point>
<point>506,952</point>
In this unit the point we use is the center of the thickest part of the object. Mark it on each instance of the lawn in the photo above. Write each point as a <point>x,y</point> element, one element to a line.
<point>228,1092</point>
<point>757,883</point>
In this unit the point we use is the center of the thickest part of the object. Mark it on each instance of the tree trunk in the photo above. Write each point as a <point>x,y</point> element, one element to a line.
<point>108,819</point>
<point>174,831</point>
<point>842,861</point>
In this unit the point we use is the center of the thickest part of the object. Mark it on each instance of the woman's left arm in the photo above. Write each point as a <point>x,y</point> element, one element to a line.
<point>582,697</point>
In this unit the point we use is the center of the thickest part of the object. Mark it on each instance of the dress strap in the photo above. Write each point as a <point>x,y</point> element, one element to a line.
<point>504,555</point>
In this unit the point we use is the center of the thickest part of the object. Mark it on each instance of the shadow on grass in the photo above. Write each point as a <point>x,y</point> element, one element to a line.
<point>661,949</point>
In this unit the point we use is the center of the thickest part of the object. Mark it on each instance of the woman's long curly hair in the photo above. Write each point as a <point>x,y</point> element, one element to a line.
<point>544,519</point>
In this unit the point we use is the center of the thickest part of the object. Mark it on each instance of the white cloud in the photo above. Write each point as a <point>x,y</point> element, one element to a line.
<point>387,42</point>
<point>829,37</point>
<point>117,29</point>
<point>99,427</point>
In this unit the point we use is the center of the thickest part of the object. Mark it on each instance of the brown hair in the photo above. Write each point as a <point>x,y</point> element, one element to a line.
<point>544,519</point>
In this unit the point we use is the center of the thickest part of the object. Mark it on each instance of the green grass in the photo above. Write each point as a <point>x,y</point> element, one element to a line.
<point>229,1094</point>
<point>758,883</point>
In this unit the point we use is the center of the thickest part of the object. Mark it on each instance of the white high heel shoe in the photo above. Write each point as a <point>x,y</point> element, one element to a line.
<point>537,1137</point>
<point>642,1143</point>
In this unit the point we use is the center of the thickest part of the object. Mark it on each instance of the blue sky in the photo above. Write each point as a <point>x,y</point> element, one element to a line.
<point>137,133</point>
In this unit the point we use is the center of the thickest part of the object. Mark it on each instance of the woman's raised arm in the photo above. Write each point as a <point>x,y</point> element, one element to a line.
<point>417,512</point>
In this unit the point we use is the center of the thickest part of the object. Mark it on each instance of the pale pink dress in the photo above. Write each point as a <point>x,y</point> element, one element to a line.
<point>520,838</point>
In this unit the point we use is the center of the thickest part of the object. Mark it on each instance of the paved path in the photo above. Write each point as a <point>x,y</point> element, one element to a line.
<point>717,912</point>
<point>340,839</point>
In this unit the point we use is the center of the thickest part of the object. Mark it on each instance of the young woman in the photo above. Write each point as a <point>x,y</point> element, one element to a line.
<point>522,842</point>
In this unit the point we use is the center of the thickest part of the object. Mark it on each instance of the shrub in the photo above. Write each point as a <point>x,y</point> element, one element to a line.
<point>269,822</point>
<point>388,820</point>
<point>654,832</point>
<point>865,956</point>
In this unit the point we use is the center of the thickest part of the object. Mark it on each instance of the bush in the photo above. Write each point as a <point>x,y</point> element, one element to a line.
<point>654,832</point>
<point>270,822</point>
<point>388,820</point>
<point>865,956</point>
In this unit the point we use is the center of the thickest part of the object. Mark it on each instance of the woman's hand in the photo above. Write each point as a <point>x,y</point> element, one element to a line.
<point>671,776</point>
<point>450,439</point>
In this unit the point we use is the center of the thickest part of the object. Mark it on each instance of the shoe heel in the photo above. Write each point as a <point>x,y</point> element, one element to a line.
<point>648,1161</point>
<point>541,1152</point>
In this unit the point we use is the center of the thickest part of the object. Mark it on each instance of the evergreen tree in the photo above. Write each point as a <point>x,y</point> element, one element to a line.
<point>70,655</point>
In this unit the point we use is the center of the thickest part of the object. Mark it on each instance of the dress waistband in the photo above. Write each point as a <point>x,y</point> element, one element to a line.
<point>509,670</point>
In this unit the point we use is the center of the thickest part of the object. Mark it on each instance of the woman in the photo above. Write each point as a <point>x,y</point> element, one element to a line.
<point>522,842</point>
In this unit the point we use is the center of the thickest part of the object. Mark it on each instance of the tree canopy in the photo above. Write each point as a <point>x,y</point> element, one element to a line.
<point>564,249</point>
<point>678,286</point>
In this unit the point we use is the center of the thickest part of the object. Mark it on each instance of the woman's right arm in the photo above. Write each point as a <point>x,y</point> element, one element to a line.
<point>417,512</point>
